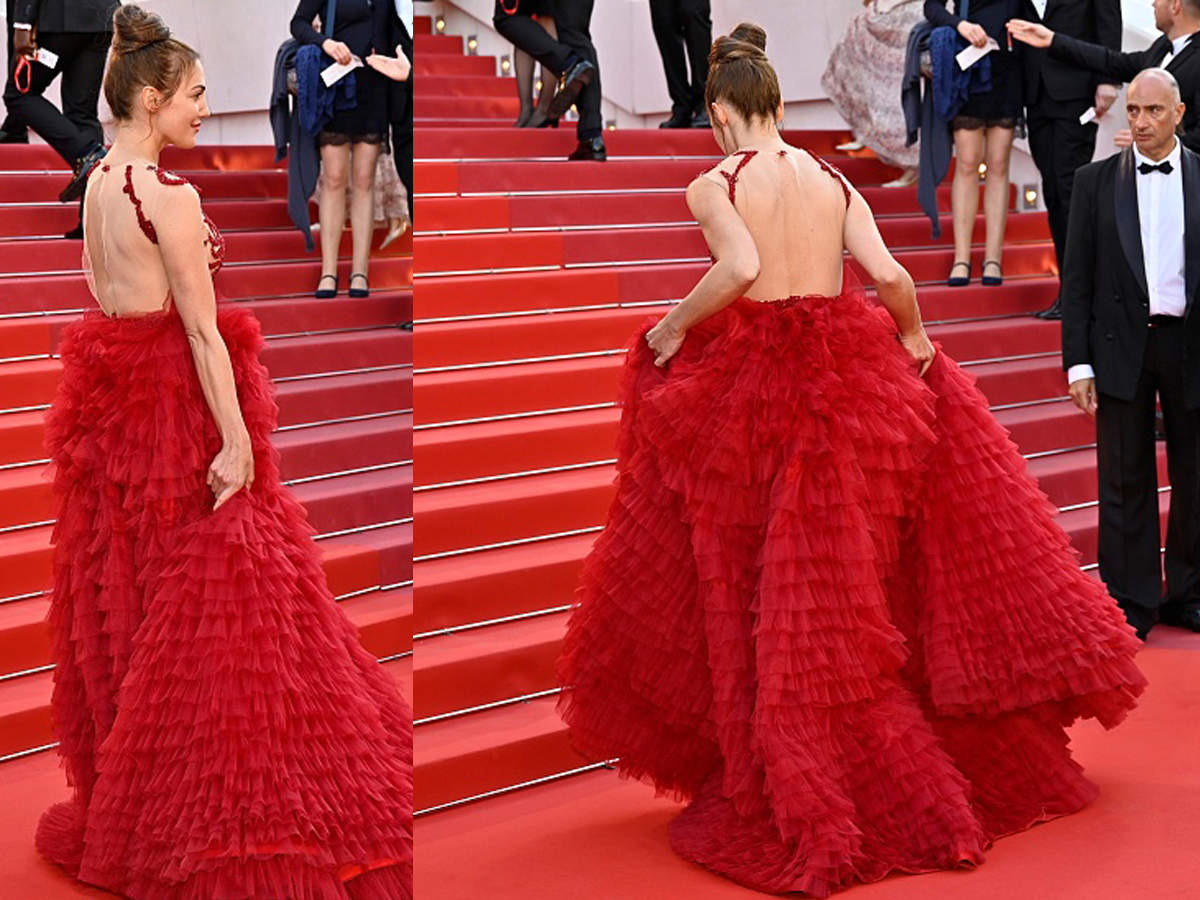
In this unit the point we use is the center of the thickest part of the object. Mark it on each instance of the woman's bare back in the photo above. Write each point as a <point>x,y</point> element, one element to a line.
<point>121,257</point>
<point>795,210</point>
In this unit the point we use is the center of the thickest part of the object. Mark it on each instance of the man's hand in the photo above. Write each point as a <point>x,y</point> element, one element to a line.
<point>1083,394</point>
<point>25,41</point>
<point>1030,33</point>
<point>1123,138</point>
<point>1106,96</point>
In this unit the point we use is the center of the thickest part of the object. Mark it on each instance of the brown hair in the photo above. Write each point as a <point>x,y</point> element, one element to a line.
<point>740,74</point>
<point>143,53</point>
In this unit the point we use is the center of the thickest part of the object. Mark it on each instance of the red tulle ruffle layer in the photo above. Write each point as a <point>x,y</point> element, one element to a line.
<point>226,735</point>
<point>831,609</point>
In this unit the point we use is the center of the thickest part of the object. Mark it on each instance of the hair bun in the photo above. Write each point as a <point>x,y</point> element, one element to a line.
<point>746,41</point>
<point>134,28</point>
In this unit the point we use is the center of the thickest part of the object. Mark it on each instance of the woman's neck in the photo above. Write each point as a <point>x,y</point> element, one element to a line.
<point>754,138</point>
<point>131,142</point>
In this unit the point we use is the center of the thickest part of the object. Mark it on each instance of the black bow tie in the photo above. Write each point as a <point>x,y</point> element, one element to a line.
<point>1165,167</point>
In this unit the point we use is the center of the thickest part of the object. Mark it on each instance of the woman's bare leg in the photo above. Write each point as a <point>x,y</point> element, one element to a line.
<point>996,191</point>
<point>362,203</point>
<point>335,167</point>
<point>964,197</point>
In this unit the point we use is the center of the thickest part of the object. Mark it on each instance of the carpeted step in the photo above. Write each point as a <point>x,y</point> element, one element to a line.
<point>337,397</point>
<point>485,85</point>
<point>359,499</point>
<point>475,392</point>
<point>471,755</point>
<point>436,43</point>
<point>447,64</point>
<point>425,104</point>
<point>218,157</point>
<point>555,143</point>
<point>53,219</point>
<point>39,293</point>
<point>30,382</point>
<point>487,665</point>
<point>422,25</point>
<point>521,175</point>
<point>37,187</point>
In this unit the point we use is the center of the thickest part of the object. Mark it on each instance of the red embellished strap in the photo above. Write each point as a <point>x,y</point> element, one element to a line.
<point>731,178</point>
<point>833,173</point>
<point>145,224</point>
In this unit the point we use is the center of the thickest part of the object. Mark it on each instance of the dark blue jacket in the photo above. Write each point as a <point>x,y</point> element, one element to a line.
<point>304,160</point>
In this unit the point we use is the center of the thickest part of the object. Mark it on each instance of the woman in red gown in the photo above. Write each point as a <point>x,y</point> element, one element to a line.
<point>829,609</point>
<point>224,732</point>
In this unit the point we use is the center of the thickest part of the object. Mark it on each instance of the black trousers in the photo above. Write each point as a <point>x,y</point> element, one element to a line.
<point>572,19</point>
<point>12,124</point>
<point>1129,520</point>
<point>75,128</point>
<point>683,30</point>
<point>1059,145</point>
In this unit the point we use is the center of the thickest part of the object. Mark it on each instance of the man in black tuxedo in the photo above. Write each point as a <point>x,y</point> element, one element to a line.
<point>79,32</point>
<point>1056,95</point>
<point>1130,333</point>
<point>681,25</point>
<point>400,96</point>
<point>13,130</point>
<point>572,57</point>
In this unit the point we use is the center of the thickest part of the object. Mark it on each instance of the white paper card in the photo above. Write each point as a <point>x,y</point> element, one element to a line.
<point>970,56</point>
<point>1089,115</point>
<point>46,57</point>
<point>336,71</point>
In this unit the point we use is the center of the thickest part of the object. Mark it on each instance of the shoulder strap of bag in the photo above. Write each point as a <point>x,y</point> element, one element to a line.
<point>330,13</point>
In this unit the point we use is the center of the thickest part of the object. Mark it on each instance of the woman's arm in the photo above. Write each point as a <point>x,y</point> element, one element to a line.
<point>302,28</point>
<point>179,223</point>
<point>893,284</point>
<point>735,269</point>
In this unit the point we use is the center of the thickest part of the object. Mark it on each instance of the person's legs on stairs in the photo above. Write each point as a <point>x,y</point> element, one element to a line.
<point>667,23</point>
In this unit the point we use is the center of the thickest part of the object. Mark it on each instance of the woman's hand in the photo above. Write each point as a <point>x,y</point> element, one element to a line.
<point>397,68</point>
<point>973,33</point>
<point>231,470</point>
<point>664,340</point>
<point>337,50</point>
<point>919,348</point>
<point>1030,33</point>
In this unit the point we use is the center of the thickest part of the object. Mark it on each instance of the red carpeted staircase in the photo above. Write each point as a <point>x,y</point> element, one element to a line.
<point>532,272</point>
<point>343,372</point>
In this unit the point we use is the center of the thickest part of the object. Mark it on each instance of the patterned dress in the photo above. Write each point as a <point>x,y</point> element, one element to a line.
<point>864,73</point>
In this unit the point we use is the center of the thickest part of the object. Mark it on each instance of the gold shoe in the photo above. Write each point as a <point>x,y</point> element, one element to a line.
<point>396,231</point>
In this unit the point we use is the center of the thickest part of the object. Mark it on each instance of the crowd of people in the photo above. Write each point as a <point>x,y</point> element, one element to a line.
<point>352,154</point>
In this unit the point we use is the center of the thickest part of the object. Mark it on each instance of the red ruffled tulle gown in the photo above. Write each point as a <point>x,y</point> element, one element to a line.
<point>830,609</point>
<point>226,735</point>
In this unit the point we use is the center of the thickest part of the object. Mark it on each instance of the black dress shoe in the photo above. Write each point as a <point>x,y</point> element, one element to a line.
<point>1053,311</point>
<point>700,120</point>
<point>1140,618</point>
<point>573,82</point>
<point>1181,616</point>
<point>75,234</point>
<point>677,120</point>
<point>14,137</point>
<point>593,149</point>
<point>83,167</point>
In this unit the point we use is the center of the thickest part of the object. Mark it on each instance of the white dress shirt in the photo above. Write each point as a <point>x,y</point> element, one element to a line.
<point>1177,46</point>
<point>404,9</point>
<point>1161,223</point>
<point>1040,6</point>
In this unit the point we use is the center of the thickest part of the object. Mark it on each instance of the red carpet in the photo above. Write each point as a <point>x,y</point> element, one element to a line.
<point>594,837</point>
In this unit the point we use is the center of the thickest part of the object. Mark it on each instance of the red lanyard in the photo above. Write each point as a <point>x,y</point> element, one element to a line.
<point>26,67</point>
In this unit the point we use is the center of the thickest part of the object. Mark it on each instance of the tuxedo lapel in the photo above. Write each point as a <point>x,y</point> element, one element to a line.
<point>1128,222</point>
<point>1191,224</point>
<point>1182,55</point>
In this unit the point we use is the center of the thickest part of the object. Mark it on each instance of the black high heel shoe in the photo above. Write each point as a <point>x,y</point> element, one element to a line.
<point>326,293</point>
<point>958,280</point>
<point>523,118</point>
<point>359,292</point>
<point>992,280</point>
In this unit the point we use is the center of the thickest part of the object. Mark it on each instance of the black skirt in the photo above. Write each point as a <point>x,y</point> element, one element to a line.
<point>367,121</point>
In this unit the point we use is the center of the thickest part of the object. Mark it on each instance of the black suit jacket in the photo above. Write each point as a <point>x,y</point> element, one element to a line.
<point>1124,66</point>
<point>1095,21</point>
<point>57,16</point>
<point>1105,300</point>
<point>399,92</point>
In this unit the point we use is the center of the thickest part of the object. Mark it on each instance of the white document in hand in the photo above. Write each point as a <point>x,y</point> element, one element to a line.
<point>334,72</point>
<point>970,56</point>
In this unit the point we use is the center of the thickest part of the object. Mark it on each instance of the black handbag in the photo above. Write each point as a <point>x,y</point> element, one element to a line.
<point>293,81</point>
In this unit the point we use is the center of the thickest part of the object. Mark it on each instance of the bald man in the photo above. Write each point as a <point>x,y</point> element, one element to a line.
<point>1130,336</point>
